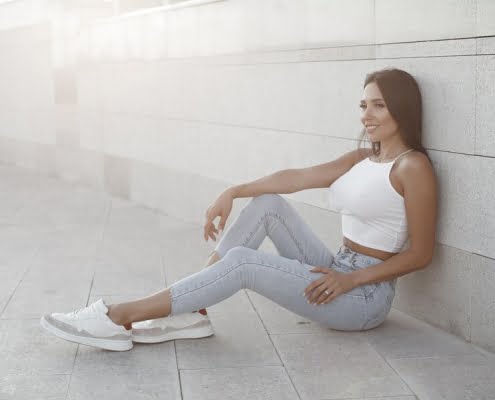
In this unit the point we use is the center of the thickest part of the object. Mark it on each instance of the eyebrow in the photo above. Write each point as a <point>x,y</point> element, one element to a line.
<point>362,101</point>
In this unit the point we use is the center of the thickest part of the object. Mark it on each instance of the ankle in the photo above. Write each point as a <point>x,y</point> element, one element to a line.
<point>214,257</point>
<point>117,317</point>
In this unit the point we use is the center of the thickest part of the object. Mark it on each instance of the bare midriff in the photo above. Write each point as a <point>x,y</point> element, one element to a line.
<point>382,255</point>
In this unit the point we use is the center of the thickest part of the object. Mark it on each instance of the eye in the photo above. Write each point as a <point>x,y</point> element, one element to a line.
<point>378,105</point>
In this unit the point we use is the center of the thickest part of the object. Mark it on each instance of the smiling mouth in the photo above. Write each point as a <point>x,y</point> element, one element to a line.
<point>371,129</point>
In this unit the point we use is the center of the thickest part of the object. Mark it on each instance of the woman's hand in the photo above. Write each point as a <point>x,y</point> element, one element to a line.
<point>221,207</point>
<point>334,282</point>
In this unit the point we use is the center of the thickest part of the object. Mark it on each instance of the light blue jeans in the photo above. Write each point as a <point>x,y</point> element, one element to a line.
<point>282,278</point>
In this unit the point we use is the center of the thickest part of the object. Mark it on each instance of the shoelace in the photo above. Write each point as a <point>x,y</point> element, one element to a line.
<point>83,310</point>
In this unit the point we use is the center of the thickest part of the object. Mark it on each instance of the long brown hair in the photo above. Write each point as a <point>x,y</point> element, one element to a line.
<point>403,99</point>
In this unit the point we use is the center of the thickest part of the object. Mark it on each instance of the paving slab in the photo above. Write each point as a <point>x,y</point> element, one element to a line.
<point>255,383</point>
<point>27,349</point>
<point>402,336</point>
<point>462,377</point>
<point>337,365</point>
<point>240,339</point>
<point>26,386</point>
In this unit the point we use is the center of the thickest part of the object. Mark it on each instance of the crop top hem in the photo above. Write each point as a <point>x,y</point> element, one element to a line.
<point>373,245</point>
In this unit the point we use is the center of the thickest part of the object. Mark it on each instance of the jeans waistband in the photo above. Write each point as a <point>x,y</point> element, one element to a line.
<point>346,250</point>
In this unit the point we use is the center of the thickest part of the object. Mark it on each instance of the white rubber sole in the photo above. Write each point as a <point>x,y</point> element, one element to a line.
<point>195,333</point>
<point>106,344</point>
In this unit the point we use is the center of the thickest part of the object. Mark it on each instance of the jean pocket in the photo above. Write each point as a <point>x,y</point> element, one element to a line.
<point>374,321</point>
<point>379,308</point>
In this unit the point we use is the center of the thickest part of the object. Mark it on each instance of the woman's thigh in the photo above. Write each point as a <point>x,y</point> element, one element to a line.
<point>277,278</point>
<point>271,215</point>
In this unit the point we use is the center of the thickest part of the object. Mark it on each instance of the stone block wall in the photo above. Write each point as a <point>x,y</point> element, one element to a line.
<point>171,105</point>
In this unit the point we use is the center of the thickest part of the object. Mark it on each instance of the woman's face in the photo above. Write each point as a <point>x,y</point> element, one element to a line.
<point>375,116</point>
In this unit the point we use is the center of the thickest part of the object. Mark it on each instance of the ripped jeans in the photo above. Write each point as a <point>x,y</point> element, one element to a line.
<point>282,278</point>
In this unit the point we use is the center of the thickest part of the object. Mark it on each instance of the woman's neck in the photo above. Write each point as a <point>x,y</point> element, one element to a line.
<point>389,151</point>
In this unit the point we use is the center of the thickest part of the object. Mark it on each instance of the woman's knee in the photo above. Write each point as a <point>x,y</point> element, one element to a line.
<point>268,201</point>
<point>237,252</point>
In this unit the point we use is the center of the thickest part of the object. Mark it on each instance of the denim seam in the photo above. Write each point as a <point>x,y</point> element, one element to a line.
<point>376,284</point>
<point>265,265</point>
<point>282,222</point>
<point>372,318</point>
<point>388,304</point>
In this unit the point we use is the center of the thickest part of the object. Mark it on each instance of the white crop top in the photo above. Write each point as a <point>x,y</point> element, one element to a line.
<point>373,213</point>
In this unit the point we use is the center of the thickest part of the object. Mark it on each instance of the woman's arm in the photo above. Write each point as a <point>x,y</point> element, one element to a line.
<point>283,182</point>
<point>418,179</point>
<point>295,180</point>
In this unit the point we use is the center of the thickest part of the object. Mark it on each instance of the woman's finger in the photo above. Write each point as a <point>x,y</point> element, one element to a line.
<point>313,285</point>
<point>324,296</point>
<point>317,291</point>
<point>325,279</point>
<point>316,282</point>
<point>207,228</point>
<point>334,291</point>
<point>320,294</point>
<point>319,269</point>
<point>331,297</point>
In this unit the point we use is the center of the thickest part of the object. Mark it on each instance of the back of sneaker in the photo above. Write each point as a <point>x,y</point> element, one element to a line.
<point>182,326</point>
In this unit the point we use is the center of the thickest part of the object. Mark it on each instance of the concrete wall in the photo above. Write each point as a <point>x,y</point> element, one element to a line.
<point>169,107</point>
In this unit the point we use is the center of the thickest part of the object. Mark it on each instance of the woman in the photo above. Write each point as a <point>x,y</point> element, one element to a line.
<point>386,195</point>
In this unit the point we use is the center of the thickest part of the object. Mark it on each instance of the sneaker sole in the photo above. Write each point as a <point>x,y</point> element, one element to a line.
<point>196,333</point>
<point>95,342</point>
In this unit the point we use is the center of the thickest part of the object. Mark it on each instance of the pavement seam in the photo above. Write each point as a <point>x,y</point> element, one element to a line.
<point>392,368</point>
<point>178,370</point>
<point>107,216</point>
<point>273,344</point>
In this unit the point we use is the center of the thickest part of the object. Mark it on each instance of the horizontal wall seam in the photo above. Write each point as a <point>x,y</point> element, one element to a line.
<point>282,131</point>
<point>477,254</point>
<point>302,61</point>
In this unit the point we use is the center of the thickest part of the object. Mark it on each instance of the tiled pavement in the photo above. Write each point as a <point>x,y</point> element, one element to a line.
<point>62,246</point>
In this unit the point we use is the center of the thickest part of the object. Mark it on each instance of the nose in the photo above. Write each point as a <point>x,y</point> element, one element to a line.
<point>366,115</point>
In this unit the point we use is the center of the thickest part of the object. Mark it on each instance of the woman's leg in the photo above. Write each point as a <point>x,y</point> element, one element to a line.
<point>267,215</point>
<point>154,306</point>
<point>273,216</point>
<point>277,278</point>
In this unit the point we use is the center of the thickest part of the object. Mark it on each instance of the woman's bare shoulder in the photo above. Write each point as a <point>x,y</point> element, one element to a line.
<point>416,164</point>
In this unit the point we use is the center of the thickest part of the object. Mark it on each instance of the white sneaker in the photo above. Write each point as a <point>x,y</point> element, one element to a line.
<point>90,326</point>
<point>181,326</point>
